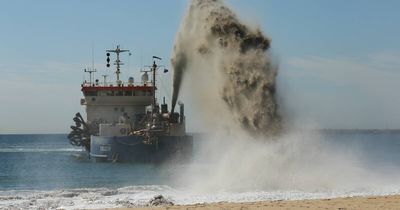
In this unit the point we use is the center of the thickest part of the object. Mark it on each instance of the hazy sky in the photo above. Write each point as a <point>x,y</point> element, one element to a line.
<point>339,60</point>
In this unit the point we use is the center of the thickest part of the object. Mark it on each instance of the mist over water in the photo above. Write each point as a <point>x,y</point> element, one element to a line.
<point>297,161</point>
<point>226,68</point>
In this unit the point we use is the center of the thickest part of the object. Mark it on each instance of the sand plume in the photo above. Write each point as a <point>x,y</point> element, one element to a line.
<point>213,41</point>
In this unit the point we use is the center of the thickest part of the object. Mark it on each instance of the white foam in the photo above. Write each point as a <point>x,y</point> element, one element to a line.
<point>97,198</point>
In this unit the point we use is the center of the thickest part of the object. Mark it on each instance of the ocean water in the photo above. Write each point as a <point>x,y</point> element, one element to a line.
<point>46,172</point>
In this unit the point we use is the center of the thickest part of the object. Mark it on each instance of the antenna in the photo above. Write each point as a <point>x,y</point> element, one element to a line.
<point>129,61</point>
<point>92,55</point>
<point>105,78</point>
<point>90,71</point>
<point>141,58</point>
<point>155,57</point>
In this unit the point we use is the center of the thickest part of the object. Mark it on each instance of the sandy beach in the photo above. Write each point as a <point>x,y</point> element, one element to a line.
<point>350,203</point>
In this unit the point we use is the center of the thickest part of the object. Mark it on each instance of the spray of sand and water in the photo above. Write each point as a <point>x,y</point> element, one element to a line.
<point>225,66</point>
<point>231,58</point>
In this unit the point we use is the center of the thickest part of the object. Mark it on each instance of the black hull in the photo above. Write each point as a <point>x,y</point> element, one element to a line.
<point>133,149</point>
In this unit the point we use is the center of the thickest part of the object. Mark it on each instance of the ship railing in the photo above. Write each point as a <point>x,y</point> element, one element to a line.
<point>114,84</point>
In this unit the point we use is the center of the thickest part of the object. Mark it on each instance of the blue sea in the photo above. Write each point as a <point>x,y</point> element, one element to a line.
<point>45,171</point>
<point>46,162</point>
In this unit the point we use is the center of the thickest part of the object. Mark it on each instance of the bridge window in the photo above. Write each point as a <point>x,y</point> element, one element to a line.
<point>128,93</point>
<point>90,93</point>
<point>110,93</point>
<point>102,93</point>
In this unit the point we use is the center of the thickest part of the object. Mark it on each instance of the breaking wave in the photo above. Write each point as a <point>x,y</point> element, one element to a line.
<point>137,196</point>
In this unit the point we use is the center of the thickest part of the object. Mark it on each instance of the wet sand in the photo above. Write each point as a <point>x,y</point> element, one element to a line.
<point>359,203</point>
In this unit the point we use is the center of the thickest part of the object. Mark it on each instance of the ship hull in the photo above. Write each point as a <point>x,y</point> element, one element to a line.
<point>133,149</point>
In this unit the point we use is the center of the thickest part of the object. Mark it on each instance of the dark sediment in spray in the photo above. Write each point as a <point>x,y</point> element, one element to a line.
<point>179,63</point>
<point>211,32</point>
<point>231,78</point>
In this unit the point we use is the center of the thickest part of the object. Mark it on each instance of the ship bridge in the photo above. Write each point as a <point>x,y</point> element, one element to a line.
<point>129,93</point>
<point>106,101</point>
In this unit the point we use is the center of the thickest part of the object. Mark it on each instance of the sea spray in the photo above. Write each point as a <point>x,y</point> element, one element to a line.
<point>212,41</point>
<point>231,78</point>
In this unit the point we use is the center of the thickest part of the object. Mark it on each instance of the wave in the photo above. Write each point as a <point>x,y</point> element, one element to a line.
<point>136,196</point>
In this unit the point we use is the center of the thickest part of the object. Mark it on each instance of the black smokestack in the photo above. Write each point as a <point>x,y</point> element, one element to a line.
<point>179,64</point>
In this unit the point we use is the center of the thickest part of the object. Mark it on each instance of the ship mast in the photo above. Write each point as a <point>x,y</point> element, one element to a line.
<point>117,62</point>
<point>154,68</point>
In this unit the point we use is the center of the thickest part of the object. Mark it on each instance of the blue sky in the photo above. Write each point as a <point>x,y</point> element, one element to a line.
<point>339,60</point>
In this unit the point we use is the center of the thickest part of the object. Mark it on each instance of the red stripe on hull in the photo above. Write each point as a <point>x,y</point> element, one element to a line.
<point>116,88</point>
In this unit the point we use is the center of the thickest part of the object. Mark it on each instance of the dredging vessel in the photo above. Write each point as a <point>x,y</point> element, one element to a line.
<point>124,121</point>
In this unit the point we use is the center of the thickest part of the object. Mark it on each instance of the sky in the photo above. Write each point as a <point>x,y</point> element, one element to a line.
<point>339,61</point>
